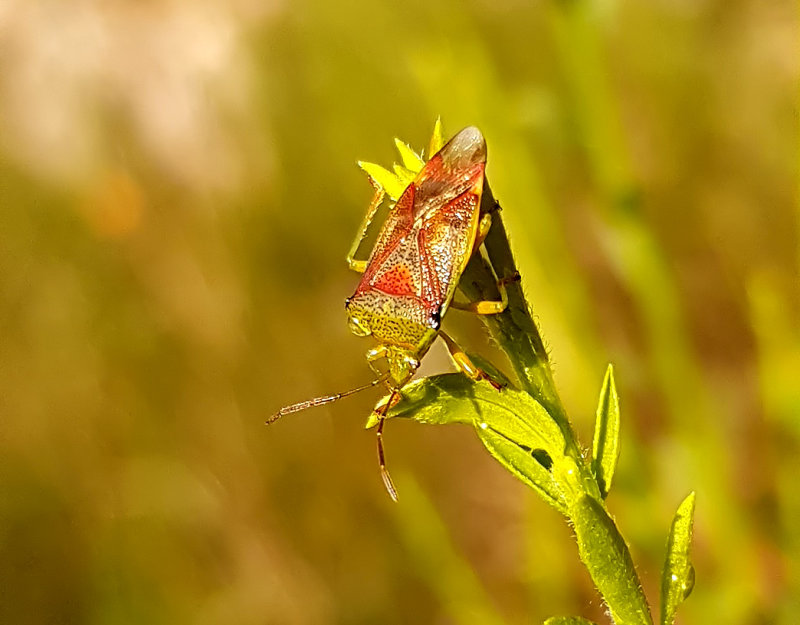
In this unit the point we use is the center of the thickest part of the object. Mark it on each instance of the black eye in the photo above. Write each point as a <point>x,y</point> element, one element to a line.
<point>436,319</point>
<point>347,303</point>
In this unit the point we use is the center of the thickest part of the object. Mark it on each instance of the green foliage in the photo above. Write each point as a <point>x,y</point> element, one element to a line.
<point>513,426</point>
<point>178,189</point>
<point>677,580</point>
<point>523,425</point>
<point>605,554</point>
<point>605,450</point>
<point>568,620</point>
<point>525,439</point>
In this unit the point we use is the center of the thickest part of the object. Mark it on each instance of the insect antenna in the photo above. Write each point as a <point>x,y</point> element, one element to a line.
<point>321,401</point>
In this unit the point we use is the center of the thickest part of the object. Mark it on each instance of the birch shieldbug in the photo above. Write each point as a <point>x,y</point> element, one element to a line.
<point>409,281</point>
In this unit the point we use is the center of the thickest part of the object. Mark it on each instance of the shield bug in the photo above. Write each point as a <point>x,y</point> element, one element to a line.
<point>409,280</point>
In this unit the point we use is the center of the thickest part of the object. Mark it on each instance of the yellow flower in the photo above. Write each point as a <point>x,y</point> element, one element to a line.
<point>394,183</point>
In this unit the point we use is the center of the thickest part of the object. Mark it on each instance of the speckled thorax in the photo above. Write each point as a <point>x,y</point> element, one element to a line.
<point>402,321</point>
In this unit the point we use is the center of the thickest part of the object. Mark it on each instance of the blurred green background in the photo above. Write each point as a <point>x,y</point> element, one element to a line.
<point>177,193</point>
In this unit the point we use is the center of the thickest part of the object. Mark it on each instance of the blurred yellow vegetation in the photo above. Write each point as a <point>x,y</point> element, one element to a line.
<point>178,190</point>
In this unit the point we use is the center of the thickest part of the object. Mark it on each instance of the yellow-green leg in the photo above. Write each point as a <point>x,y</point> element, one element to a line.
<point>361,265</point>
<point>483,229</point>
<point>465,364</point>
<point>488,307</point>
<point>374,354</point>
<point>381,413</point>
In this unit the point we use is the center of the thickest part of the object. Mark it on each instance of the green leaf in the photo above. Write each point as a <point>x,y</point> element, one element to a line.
<point>522,463</point>
<point>437,400</point>
<point>568,478</point>
<point>606,556</point>
<point>390,183</point>
<point>677,580</point>
<point>605,450</point>
<point>514,427</point>
<point>568,620</point>
<point>454,398</point>
<point>410,158</point>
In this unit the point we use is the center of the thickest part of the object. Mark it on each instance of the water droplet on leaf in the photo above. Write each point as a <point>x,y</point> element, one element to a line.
<point>688,585</point>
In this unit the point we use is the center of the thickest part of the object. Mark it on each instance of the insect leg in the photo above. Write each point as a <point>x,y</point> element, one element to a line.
<point>464,363</point>
<point>376,353</point>
<point>489,307</point>
<point>483,229</point>
<point>381,412</point>
<point>361,265</point>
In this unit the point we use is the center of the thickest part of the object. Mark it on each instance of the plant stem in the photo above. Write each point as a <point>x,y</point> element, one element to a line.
<point>514,330</point>
<point>601,545</point>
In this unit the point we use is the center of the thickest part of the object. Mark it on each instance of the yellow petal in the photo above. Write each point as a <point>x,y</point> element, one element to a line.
<point>410,158</point>
<point>390,183</point>
<point>436,138</point>
<point>405,175</point>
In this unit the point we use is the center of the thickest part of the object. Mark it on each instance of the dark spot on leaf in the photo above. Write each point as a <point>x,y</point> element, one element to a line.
<point>543,458</point>
<point>540,455</point>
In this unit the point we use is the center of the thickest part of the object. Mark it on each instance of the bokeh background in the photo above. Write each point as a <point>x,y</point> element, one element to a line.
<point>177,192</point>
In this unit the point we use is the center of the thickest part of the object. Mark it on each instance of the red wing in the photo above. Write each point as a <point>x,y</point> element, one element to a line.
<point>453,170</point>
<point>447,241</point>
<point>405,279</point>
<point>397,279</point>
<point>427,237</point>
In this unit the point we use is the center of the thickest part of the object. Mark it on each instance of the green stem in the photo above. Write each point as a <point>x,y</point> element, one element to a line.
<point>514,330</point>
<point>601,546</point>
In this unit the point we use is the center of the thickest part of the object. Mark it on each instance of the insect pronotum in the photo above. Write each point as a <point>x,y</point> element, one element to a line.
<point>408,282</point>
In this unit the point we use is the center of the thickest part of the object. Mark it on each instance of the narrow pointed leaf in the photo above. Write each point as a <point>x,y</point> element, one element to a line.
<point>454,398</point>
<point>677,579</point>
<point>410,158</point>
<point>436,400</point>
<point>606,556</point>
<point>514,427</point>
<point>390,183</point>
<point>605,450</point>
<point>521,463</point>
<point>568,620</point>
<point>436,138</point>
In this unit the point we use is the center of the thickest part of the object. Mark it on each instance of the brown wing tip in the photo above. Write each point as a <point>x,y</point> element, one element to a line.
<point>466,148</point>
<point>470,135</point>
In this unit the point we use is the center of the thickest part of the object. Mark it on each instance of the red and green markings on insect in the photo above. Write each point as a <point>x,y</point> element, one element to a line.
<point>409,280</point>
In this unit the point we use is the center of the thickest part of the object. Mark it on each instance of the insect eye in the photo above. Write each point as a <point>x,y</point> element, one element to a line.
<point>347,303</point>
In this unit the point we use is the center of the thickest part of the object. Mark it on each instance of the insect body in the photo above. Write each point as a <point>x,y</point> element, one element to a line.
<point>411,276</point>
<point>423,248</point>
